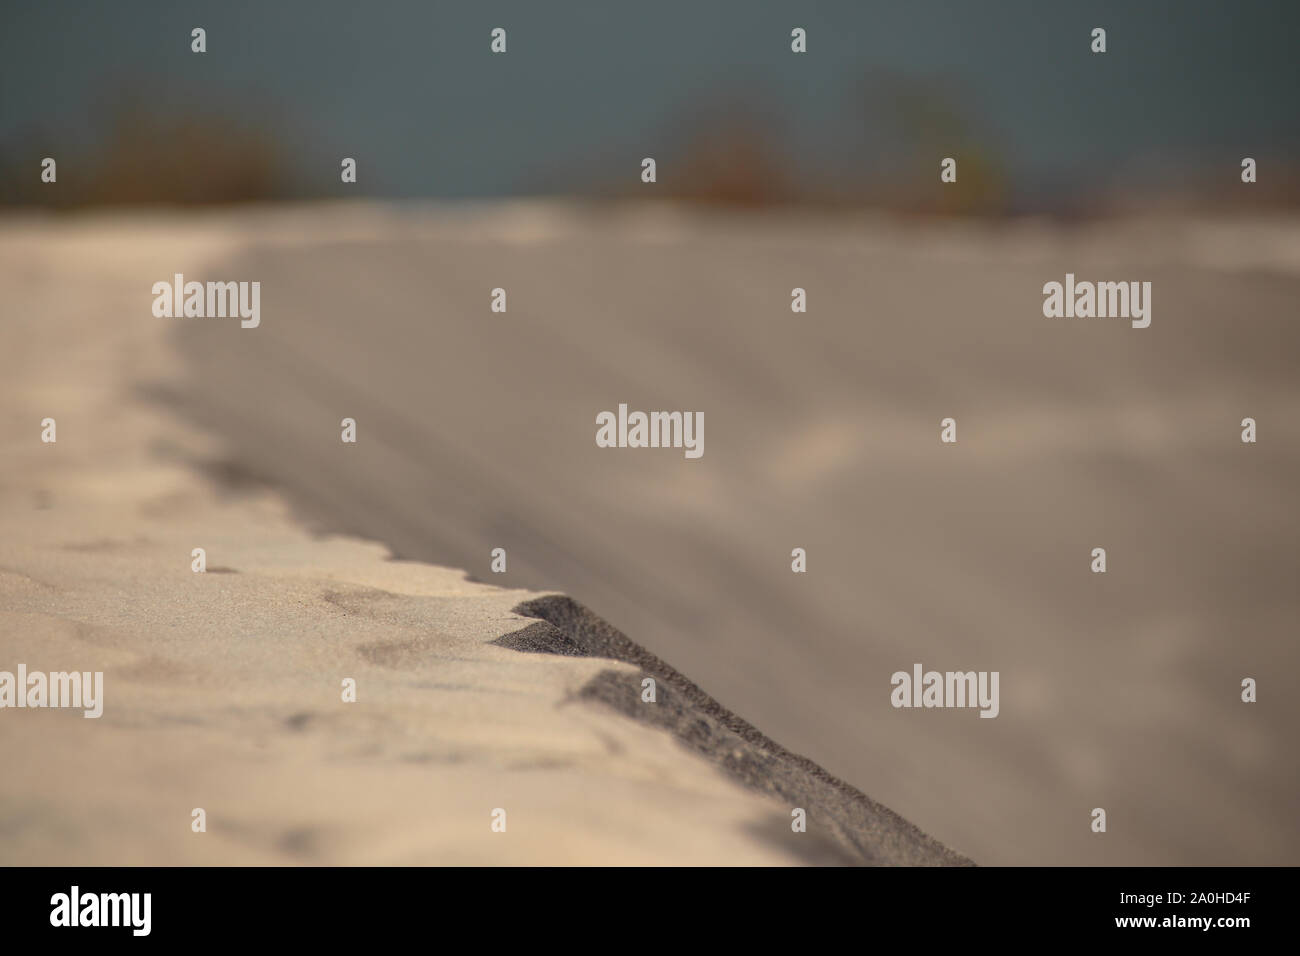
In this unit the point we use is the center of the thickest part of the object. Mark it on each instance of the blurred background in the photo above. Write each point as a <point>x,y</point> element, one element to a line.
<point>711,90</point>
<point>775,171</point>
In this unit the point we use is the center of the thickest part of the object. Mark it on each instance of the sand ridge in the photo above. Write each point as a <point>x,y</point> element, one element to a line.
<point>222,689</point>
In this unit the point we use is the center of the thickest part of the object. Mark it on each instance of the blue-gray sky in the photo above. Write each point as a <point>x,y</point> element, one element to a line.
<point>410,88</point>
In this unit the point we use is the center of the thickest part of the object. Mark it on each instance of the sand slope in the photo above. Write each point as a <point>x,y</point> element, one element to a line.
<point>222,689</point>
<point>1118,690</point>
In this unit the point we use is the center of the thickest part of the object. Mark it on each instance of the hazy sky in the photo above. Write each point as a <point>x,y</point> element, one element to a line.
<point>586,89</point>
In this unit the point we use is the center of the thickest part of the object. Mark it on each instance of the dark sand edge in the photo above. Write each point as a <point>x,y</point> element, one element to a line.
<point>868,833</point>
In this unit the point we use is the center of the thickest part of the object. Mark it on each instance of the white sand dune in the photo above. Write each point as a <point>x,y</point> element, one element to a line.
<point>223,689</point>
<point>476,431</point>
